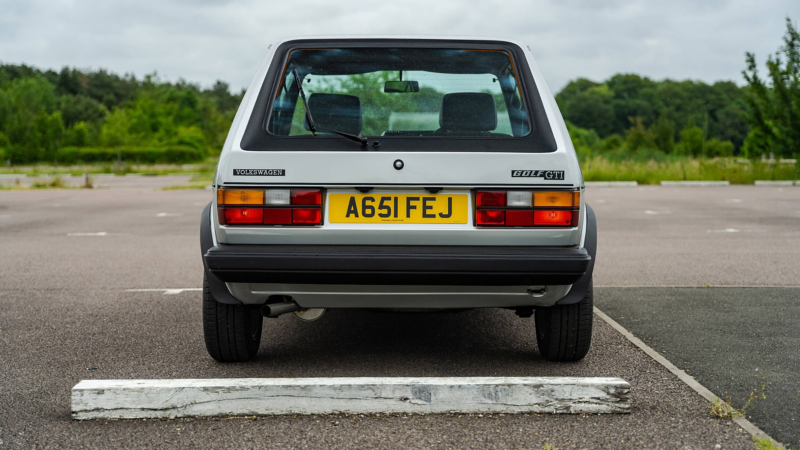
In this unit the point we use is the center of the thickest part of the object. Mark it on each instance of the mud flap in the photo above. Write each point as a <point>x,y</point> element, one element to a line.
<point>579,288</point>
<point>218,288</point>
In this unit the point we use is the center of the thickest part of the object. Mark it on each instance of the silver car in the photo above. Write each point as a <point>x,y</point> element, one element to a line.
<point>398,173</point>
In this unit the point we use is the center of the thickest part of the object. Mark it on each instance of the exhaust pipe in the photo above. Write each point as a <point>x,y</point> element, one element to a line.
<point>276,309</point>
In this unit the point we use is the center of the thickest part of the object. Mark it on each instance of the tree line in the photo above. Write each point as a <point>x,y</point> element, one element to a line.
<point>79,115</point>
<point>47,115</point>
<point>629,116</point>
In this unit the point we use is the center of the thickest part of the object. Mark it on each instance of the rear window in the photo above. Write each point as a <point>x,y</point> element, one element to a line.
<point>400,92</point>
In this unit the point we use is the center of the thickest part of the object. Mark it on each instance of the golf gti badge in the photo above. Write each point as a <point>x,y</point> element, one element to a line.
<point>397,173</point>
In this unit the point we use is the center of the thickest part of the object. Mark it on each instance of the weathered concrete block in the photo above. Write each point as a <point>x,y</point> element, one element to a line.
<point>131,399</point>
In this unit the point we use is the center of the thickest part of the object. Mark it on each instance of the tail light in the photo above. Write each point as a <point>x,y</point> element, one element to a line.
<point>527,208</point>
<point>270,206</point>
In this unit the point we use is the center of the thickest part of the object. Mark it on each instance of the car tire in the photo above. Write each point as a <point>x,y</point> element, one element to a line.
<point>564,332</point>
<point>232,332</point>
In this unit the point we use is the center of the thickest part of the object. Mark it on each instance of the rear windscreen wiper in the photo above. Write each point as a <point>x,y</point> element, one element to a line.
<point>313,126</point>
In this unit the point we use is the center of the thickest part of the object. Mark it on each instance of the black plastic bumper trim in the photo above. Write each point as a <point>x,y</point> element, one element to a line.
<point>389,265</point>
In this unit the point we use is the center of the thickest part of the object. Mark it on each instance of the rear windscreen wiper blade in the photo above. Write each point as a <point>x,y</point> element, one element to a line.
<point>313,126</point>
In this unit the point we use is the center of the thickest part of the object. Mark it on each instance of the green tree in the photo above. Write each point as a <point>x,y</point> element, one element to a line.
<point>715,148</point>
<point>664,134</point>
<point>775,103</point>
<point>586,142</point>
<point>116,129</point>
<point>79,135</point>
<point>637,136</point>
<point>80,108</point>
<point>691,143</point>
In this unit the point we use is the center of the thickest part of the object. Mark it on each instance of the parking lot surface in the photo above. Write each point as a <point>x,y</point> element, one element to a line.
<point>727,339</point>
<point>70,258</point>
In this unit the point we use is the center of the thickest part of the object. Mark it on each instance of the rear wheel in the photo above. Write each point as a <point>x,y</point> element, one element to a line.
<point>232,332</point>
<point>564,333</point>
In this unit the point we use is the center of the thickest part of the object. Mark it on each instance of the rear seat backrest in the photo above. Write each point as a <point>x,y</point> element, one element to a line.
<point>336,112</point>
<point>468,112</point>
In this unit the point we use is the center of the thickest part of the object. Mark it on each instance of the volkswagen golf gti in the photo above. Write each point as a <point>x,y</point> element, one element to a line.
<point>397,173</point>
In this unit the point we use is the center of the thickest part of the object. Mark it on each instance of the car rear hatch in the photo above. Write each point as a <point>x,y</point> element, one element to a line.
<point>406,198</point>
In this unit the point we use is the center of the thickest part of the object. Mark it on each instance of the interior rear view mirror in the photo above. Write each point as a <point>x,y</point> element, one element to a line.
<point>401,86</point>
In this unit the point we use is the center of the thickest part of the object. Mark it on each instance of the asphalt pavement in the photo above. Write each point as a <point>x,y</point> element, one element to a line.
<point>69,258</point>
<point>729,339</point>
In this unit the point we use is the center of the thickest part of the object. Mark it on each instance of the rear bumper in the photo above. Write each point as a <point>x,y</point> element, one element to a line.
<point>397,265</point>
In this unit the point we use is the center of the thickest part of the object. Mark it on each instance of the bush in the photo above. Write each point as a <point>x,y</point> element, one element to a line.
<point>715,147</point>
<point>175,154</point>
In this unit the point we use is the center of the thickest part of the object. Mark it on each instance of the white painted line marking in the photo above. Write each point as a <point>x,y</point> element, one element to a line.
<point>4,216</point>
<point>773,183</point>
<point>683,376</point>
<point>653,213</point>
<point>165,214</point>
<point>696,183</point>
<point>102,233</point>
<point>165,291</point>
<point>733,200</point>
<point>610,183</point>
<point>134,399</point>
<point>693,286</point>
<point>726,230</point>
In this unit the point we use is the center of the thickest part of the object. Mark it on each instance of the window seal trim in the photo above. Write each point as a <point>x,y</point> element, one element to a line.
<point>540,140</point>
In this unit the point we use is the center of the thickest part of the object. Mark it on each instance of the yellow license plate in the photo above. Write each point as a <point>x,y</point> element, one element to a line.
<point>397,208</point>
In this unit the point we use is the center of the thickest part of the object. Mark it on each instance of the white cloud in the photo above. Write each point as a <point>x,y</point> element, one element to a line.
<point>206,40</point>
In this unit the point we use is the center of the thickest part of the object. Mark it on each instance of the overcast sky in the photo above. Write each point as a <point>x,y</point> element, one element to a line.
<point>205,40</point>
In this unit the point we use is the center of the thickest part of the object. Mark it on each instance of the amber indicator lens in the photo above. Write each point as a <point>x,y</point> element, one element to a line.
<point>240,197</point>
<point>555,199</point>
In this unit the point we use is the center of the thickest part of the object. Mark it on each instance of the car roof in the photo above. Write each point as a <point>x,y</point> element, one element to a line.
<point>399,37</point>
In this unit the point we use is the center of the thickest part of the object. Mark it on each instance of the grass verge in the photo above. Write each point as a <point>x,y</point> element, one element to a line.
<point>766,444</point>
<point>735,171</point>
<point>202,169</point>
<point>179,187</point>
<point>598,168</point>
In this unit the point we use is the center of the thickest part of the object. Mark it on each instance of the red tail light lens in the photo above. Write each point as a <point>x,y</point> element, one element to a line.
<point>519,218</point>
<point>243,215</point>
<point>555,218</point>
<point>491,198</point>
<point>527,208</point>
<point>306,197</point>
<point>491,217</point>
<point>308,216</point>
<point>284,206</point>
<point>278,216</point>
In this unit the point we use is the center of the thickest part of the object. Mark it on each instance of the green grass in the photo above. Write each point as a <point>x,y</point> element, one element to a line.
<point>186,186</point>
<point>765,444</point>
<point>202,169</point>
<point>597,168</point>
<point>735,171</point>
